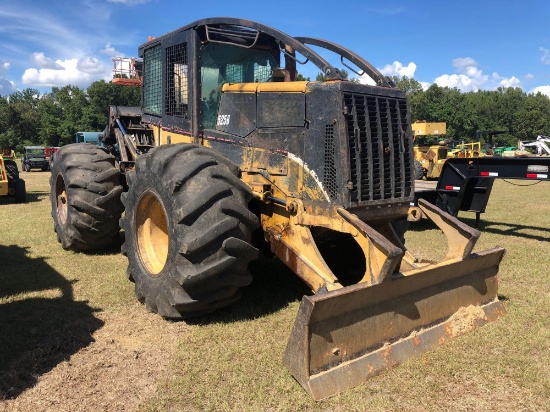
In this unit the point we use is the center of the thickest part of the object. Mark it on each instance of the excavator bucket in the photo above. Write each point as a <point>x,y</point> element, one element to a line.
<point>343,337</point>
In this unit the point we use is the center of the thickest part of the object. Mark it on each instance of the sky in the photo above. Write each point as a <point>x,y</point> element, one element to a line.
<point>470,45</point>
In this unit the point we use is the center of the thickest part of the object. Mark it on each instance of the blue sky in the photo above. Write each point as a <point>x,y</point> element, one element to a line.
<point>467,44</point>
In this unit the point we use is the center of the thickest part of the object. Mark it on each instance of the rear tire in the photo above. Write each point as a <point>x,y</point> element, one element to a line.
<point>419,171</point>
<point>20,191</point>
<point>187,230</point>
<point>12,171</point>
<point>85,195</point>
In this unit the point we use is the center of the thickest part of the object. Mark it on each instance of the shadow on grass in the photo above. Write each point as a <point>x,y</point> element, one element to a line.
<point>512,229</point>
<point>421,225</point>
<point>40,323</point>
<point>274,286</point>
<point>497,228</point>
<point>31,197</point>
<point>37,196</point>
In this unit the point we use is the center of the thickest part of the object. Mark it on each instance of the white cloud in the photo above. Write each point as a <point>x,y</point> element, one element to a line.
<point>366,80</point>
<point>397,69</point>
<point>545,58</point>
<point>76,72</point>
<point>471,78</point>
<point>111,51</point>
<point>42,61</point>
<point>464,62</point>
<point>4,69</point>
<point>6,86</point>
<point>511,82</point>
<point>425,85</point>
<point>542,89</point>
<point>90,65</point>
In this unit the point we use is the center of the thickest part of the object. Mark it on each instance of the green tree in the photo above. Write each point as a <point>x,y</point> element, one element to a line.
<point>408,85</point>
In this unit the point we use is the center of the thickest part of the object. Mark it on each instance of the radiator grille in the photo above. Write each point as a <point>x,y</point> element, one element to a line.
<point>329,174</point>
<point>379,153</point>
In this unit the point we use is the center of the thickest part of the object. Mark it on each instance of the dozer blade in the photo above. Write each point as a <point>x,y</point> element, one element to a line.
<point>343,337</point>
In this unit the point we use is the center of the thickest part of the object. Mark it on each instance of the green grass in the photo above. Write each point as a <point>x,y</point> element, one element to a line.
<point>232,360</point>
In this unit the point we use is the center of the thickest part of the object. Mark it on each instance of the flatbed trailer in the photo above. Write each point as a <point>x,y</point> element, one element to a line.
<point>465,184</point>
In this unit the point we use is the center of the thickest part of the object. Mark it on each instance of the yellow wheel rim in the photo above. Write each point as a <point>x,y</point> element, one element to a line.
<point>61,200</point>
<point>152,233</point>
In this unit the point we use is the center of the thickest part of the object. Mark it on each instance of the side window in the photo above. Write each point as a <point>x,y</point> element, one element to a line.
<point>211,89</point>
<point>177,86</point>
<point>222,63</point>
<point>152,80</point>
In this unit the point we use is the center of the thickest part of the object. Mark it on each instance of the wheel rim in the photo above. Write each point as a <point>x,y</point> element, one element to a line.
<point>61,200</point>
<point>152,233</point>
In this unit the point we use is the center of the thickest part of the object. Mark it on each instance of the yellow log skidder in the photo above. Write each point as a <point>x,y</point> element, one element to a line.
<point>228,144</point>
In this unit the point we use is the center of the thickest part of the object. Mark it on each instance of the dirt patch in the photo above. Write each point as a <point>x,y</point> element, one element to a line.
<point>466,319</point>
<point>116,372</point>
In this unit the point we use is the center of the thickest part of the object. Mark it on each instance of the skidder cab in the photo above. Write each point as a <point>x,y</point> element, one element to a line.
<point>228,143</point>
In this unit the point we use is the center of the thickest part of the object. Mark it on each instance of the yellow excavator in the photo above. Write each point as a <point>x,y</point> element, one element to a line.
<point>229,154</point>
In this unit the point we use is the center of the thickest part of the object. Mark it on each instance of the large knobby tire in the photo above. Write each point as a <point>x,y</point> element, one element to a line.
<point>20,191</point>
<point>12,171</point>
<point>419,171</point>
<point>85,195</point>
<point>187,230</point>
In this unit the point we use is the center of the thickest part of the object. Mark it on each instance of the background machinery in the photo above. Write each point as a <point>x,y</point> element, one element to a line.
<point>429,158</point>
<point>540,144</point>
<point>89,137</point>
<point>10,182</point>
<point>229,155</point>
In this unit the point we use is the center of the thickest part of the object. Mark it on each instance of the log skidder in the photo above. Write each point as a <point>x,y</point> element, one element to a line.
<point>188,231</point>
<point>330,167</point>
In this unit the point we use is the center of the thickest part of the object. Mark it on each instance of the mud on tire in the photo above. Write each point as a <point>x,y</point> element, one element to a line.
<point>187,231</point>
<point>85,195</point>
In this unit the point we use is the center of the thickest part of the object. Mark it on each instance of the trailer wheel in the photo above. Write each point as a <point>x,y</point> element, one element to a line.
<point>85,196</point>
<point>188,231</point>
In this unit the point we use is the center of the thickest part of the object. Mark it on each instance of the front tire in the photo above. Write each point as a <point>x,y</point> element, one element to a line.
<point>85,196</point>
<point>187,231</point>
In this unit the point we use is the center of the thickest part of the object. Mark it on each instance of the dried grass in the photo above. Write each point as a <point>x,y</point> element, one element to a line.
<point>73,337</point>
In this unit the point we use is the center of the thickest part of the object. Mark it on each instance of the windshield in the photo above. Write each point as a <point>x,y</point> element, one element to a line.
<point>35,151</point>
<point>223,63</point>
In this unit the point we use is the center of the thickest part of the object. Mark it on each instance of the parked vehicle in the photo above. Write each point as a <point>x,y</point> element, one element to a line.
<point>34,157</point>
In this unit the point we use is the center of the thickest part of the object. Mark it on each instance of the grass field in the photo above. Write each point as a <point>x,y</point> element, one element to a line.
<point>232,360</point>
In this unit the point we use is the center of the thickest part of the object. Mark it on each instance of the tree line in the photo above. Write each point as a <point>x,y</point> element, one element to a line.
<point>52,119</point>
<point>522,115</point>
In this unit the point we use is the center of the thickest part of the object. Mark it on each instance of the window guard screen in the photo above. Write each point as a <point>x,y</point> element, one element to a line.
<point>177,85</point>
<point>152,80</point>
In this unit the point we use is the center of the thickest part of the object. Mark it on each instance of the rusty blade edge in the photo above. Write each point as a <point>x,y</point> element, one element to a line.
<point>354,372</point>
